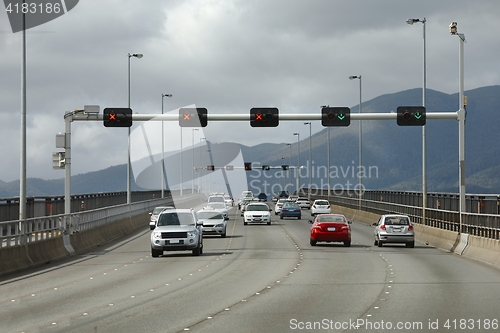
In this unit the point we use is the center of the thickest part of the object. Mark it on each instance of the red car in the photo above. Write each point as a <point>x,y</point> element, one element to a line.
<point>330,228</point>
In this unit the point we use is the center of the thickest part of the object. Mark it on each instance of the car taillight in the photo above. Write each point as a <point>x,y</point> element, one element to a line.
<point>314,206</point>
<point>297,210</point>
<point>382,227</point>
<point>328,207</point>
<point>410,227</point>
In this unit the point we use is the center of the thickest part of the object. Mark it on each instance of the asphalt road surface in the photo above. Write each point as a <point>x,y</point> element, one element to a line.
<point>259,278</point>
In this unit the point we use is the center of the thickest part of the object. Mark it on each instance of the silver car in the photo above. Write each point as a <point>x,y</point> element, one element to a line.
<point>213,222</point>
<point>394,229</point>
<point>177,230</point>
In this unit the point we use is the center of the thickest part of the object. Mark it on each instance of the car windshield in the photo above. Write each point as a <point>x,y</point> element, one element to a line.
<point>330,218</point>
<point>217,205</point>
<point>216,199</point>
<point>397,220</point>
<point>158,210</point>
<point>290,205</point>
<point>166,219</point>
<point>210,215</point>
<point>257,207</point>
<point>322,203</point>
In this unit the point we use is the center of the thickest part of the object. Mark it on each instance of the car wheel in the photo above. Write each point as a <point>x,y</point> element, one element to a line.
<point>197,251</point>
<point>375,242</point>
<point>245,223</point>
<point>281,217</point>
<point>298,218</point>
<point>313,243</point>
<point>223,235</point>
<point>410,244</point>
<point>269,223</point>
<point>347,243</point>
<point>156,253</point>
<point>379,243</point>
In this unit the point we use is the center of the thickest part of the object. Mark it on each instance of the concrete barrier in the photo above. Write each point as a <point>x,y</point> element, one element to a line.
<point>483,249</point>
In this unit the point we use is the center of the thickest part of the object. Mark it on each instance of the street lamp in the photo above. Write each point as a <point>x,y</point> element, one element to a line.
<point>200,165</point>
<point>129,194</point>
<point>424,158</point>
<point>163,150</point>
<point>192,160</point>
<point>290,165</point>
<point>360,135</point>
<point>461,123</point>
<point>310,161</point>
<point>297,175</point>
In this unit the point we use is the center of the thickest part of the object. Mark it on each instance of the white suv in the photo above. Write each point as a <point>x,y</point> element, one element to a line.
<point>177,230</point>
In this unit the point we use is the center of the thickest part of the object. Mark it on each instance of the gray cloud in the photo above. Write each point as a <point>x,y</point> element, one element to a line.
<point>227,56</point>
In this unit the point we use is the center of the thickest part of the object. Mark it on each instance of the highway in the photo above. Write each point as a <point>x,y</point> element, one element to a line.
<point>259,278</point>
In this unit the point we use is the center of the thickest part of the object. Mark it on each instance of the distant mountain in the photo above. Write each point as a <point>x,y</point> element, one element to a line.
<point>392,154</point>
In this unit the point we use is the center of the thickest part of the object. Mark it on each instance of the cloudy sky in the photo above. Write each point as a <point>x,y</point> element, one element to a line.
<point>227,56</point>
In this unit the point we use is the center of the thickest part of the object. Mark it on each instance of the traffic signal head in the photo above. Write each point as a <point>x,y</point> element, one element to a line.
<point>411,116</point>
<point>264,117</point>
<point>248,166</point>
<point>210,167</point>
<point>193,117</point>
<point>335,116</point>
<point>117,117</point>
<point>284,167</point>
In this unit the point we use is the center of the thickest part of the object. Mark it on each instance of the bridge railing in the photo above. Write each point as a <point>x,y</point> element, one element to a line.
<point>35,229</point>
<point>483,225</point>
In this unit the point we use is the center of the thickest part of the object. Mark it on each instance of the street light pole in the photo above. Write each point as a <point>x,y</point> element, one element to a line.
<point>461,124</point>
<point>297,176</point>
<point>360,135</point>
<point>192,160</point>
<point>424,143</point>
<point>163,149</point>
<point>289,176</point>
<point>310,161</point>
<point>129,193</point>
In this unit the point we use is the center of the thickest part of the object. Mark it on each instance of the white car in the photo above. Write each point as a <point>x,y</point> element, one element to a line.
<point>220,206</point>
<point>278,205</point>
<point>303,202</point>
<point>320,206</point>
<point>213,222</point>
<point>257,212</point>
<point>229,201</point>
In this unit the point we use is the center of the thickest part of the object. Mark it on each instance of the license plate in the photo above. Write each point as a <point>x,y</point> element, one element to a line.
<point>208,229</point>
<point>331,229</point>
<point>256,219</point>
<point>396,230</point>
<point>174,241</point>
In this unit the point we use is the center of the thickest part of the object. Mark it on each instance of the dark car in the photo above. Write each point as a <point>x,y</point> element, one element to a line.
<point>283,195</point>
<point>290,209</point>
<point>262,197</point>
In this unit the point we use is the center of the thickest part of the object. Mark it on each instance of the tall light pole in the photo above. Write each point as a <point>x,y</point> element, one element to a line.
<point>180,167</point>
<point>163,149</point>
<point>461,124</point>
<point>192,159</point>
<point>297,176</point>
<point>289,177</point>
<point>360,135</point>
<point>129,194</point>
<point>424,158</point>
<point>200,165</point>
<point>310,160</point>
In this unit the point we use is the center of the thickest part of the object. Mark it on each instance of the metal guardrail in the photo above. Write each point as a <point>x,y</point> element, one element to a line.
<point>36,229</point>
<point>483,225</point>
